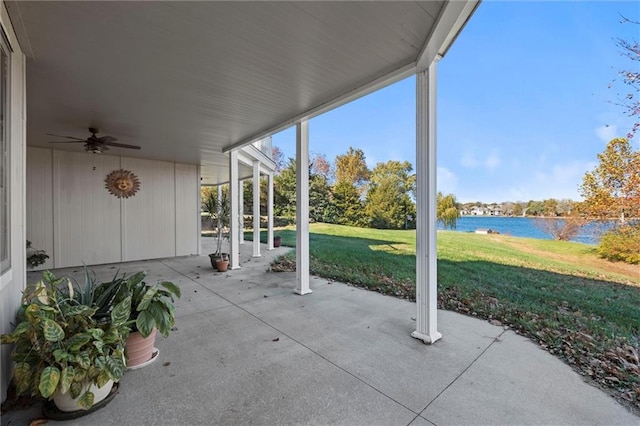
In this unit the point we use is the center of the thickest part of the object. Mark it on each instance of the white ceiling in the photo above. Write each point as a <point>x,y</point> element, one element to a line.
<point>185,80</point>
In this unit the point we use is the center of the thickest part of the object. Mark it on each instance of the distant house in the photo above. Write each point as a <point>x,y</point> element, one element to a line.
<point>495,211</point>
<point>478,211</point>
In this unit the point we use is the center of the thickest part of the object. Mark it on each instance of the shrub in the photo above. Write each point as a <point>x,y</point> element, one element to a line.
<point>621,243</point>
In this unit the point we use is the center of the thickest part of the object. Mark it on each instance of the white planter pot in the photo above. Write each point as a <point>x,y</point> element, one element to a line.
<point>64,402</point>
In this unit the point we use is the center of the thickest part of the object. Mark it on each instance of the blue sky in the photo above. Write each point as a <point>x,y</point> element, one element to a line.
<point>523,103</point>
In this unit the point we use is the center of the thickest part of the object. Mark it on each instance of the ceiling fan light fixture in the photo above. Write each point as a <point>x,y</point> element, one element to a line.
<point>93,143</point>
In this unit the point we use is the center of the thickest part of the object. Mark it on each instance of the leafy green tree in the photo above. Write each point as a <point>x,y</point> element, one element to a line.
<point>518,210</point>
<point>388,201</point>
<point>612,189</point>
<point>352,168</point>
<point>535,208</point>
<point>284,191</point>
<point>319,198</point>
<point>550,207</point>
<point>347,208</point>
<point>447,211</point>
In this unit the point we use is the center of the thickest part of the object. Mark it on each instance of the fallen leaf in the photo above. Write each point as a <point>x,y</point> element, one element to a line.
<point>277,339</point>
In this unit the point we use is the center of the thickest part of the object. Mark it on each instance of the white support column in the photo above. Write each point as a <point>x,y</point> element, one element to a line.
<point>302,208</point>
<point>426,255</point>
<point>270,211</point>
<point>256,208</point>
<point>234,247</point>
<point>219,221</point>
<point>241,213</point>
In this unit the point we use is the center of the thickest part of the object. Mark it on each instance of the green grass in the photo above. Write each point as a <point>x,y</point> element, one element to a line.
<point>560,294</point>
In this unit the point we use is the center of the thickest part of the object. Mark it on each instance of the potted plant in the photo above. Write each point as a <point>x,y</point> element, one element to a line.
<point>62,350</point>
<point>35,257</point>
<point>219,214</point>
<point>152,310</point>
<point>222,264</point>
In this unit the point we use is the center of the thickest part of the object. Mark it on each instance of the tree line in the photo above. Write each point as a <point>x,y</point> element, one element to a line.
<point>347,192</point>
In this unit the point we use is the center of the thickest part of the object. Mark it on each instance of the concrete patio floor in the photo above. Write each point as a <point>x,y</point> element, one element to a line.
<point>247,350</point>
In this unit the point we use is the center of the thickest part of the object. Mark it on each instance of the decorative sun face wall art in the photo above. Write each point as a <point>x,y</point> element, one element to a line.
<point>122,183</point>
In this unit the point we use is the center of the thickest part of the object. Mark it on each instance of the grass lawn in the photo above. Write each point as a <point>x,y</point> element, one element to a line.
<point>577,306</point>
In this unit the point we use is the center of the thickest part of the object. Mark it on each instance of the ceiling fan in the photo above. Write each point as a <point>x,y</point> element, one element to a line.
<point>93,143</point>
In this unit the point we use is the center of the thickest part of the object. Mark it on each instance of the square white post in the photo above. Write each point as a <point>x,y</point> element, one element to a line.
<point>234,243</point>
<point>302,208</point>
<point>256,209</point>
<point>270,211</point>
<point>241,212</point>
<point>426,249</point>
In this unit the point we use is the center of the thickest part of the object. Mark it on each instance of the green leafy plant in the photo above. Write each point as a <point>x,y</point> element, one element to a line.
<point>621,244</point>
<point>35,257</point>
<point>61,346</point>
<point>151,305</point>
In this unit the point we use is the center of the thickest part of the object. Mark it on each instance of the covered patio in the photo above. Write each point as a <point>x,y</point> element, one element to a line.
<point>196,85</point>
<point>247,350</point>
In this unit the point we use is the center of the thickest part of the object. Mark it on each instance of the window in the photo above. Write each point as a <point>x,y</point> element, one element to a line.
<point>5,160</point>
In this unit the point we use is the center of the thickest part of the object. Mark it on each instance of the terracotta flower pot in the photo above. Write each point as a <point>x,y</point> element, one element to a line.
<point>222,265</point>
<point>214,257</point>
<point>139,349</point>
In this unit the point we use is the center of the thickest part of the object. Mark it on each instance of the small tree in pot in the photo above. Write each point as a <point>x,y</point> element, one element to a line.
<point>219,210</point>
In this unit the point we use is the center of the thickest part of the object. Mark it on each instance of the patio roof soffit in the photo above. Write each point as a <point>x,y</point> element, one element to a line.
<point>450,22</point>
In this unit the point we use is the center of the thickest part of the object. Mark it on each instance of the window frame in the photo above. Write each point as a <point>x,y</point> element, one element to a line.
<point>5,153</point>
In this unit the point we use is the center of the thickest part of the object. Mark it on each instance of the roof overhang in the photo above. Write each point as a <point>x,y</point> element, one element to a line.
<point>188,81</point>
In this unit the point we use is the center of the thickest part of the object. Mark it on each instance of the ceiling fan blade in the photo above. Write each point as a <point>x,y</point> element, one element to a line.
<point>121,145</point>
<point>78,141</point>
<point>67,137</point>
<point>106,139</point>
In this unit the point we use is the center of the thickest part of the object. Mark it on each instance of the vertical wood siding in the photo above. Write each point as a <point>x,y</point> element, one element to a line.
<point>187,189</point>
<point>86,217</point>
<point>39,226</point>
<point>149,217</point>
<point>72,216</point>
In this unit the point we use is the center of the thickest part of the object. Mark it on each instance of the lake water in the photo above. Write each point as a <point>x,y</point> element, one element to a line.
<point>517,227</point>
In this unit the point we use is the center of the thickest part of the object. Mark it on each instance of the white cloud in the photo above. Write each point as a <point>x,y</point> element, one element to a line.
<point>471,161</point>
<point>560,181</point>
<point>447,181</point>
<point>606,133</point>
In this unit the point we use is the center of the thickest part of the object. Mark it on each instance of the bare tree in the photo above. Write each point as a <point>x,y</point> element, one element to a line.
<point>563,229</point>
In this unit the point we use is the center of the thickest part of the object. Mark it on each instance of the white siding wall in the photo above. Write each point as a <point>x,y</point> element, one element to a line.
<point>187,197</point>
<point>86,217</point>
<point>39,225</point>
<point>76,220</point>
<point>12,281</point>
<point>149,218</point>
